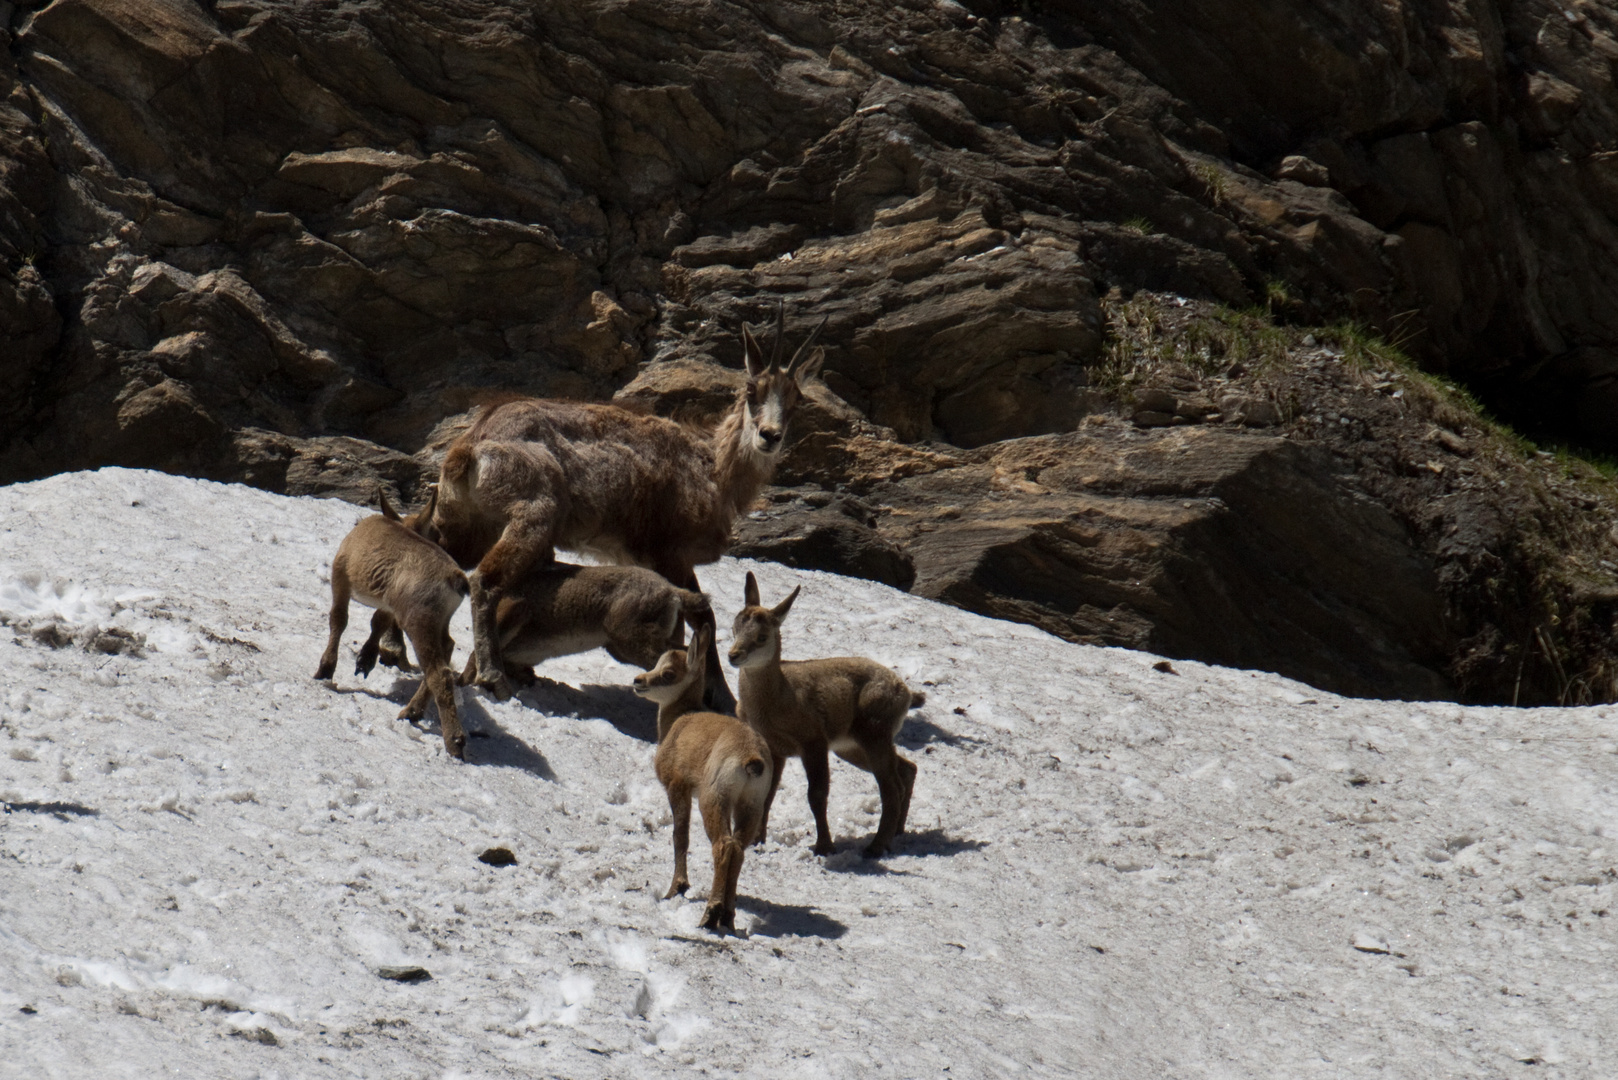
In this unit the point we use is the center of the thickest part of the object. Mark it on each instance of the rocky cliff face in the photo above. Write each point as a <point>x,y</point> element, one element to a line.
<point>292,243</point>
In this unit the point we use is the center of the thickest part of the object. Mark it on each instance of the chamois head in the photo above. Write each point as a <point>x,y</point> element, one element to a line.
<point>757,630</point>
<point>773,390</point>
<point>421,522</point>
<point>675,672</point>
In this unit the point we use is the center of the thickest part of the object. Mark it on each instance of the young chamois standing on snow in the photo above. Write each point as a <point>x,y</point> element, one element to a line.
<point>561,609</point>
<point>383,563</point>
<point>720,760</point>
<point>531,476</point>
<point>803,708</point>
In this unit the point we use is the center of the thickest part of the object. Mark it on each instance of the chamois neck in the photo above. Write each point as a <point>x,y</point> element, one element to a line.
<point>766,678</point>
<point>690,700</point>
<point>739,469</point>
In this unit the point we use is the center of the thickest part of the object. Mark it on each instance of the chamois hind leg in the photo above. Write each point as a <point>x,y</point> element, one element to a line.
<point>907,777</point>
<point>339,618</point>
<point>882,761</point>
<point>382,624</point>
<point>390,649</point>
<point>721,912</point>
<point>680,806</point>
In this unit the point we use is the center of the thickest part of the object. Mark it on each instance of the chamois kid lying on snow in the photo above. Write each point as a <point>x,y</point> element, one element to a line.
<point>560,609</point>
<point>803,708</point>
<point>720,760</point>
<point>384,564</point>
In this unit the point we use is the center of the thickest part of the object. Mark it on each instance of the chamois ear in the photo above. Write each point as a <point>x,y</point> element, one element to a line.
<point>753,353</point>
<point>780,610</point>
<point>750,591</point>
<point>387,508</point>
<point>700,641</point>
<point>810,369</point>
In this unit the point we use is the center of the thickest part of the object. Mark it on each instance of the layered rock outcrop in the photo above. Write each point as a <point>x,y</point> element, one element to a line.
<point>292,244</point>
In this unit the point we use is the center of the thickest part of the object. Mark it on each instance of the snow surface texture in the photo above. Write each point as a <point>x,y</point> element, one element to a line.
<point>207,857</point>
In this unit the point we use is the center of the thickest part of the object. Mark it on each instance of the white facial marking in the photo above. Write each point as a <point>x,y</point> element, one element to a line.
<point>770,417</point>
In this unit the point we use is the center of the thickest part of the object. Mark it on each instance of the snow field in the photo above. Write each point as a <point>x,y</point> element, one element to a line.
<point>207,856</point>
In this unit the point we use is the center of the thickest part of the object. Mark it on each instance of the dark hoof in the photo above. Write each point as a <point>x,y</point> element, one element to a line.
<point>456,747</point>
<point>498,686</point>
<point>325,672</point>
<point>407,713</point>
<point>828,848</point>
<point>717,920</point>
<point>874,850</point>
<point>677,889</point>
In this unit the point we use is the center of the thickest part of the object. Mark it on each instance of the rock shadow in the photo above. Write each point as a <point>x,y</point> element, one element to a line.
<point>487,743</point>
<point>59,810</point>
<point>790,920</point>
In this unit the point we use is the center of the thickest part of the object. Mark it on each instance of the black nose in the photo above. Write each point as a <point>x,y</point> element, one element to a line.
<point>770,436</point>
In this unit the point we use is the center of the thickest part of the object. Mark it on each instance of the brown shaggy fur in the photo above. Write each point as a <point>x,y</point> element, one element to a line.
<point>532,475</point>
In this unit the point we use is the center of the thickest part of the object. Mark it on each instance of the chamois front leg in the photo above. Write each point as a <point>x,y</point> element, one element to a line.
<point>817,769</point>
<point>338,620</point>
<point>526,541</point>
<point>486,662</point>
<point>433,648</point>
<point>680,805</point>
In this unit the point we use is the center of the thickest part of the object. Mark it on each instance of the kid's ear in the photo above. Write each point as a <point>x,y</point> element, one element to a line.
<point>753,354</point>
<point>750,591</point>
<point>387,508</point>
<point>700,641</point>
<point>785,606</point>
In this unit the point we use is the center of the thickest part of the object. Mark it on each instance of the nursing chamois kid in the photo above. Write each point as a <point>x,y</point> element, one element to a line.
<point>531,476</point>
<point>804,708</point>
<point>720,760</point>
<point>561,609</point>
<point>386,565</point>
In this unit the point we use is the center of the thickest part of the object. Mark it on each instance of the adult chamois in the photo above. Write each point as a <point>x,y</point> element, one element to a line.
<point>533,475</point>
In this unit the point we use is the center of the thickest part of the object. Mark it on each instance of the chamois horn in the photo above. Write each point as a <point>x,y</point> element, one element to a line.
<point>804,348</point>
<point>780,334</point>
